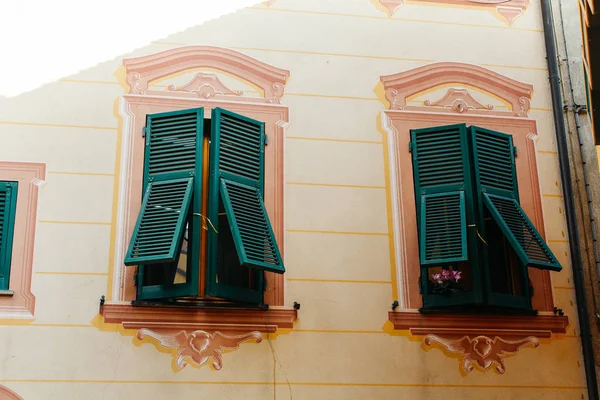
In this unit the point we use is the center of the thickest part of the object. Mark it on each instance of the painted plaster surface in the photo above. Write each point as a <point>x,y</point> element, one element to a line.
<point>338,228</point>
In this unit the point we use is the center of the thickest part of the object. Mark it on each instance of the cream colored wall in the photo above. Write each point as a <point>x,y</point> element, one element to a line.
<point>337,221</point>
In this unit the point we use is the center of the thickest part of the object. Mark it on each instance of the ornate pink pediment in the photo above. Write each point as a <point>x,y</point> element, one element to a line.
<point>399,87</point>
<point>507,9</point>
<point>143,70</point>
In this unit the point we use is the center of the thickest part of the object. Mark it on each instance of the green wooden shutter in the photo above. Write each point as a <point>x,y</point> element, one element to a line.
<point>520,232</point>
<point>8,208</point>
<point>442,186</point>
<point>497,187</point>
<point>443,228</point>
<point>250,226</point>
<point>172,157</point>
<point>237,178</point>
<point>445,210</point>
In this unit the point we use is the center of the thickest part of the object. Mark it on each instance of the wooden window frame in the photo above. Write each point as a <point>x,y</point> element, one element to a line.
<point>458,107</point>
<point>204,90</point>
<point>19,302</point>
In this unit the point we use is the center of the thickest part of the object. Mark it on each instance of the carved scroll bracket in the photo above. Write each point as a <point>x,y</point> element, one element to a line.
<point>481,351</point>
<point>481,341</point>
<point>199,347</point>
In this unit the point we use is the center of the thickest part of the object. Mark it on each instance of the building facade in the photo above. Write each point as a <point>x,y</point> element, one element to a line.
<point>302,199</point>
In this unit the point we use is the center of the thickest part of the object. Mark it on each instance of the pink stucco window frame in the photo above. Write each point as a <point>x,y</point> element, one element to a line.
<point>20,304</point>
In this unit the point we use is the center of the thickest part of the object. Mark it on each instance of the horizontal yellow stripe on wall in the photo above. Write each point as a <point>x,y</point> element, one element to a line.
<point>386,18</point>
<point>335,185</point>
<point>336,232</point>
<point>106,128</point>
<point>547,152</point>
<point>72,273</point>
<point>564,287</point>
<point>89,81</point>
<point>79,173</point>
<point>45,221</point>
<point>345,384</point>
<point>327,96</point>
<point>317,53</point>
<point>338,281</point>
<point>560,196</point>
<point>332,140</point>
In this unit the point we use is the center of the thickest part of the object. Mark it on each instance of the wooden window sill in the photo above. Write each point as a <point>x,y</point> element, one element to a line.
<point>541,325</point>
<point>198,318</point>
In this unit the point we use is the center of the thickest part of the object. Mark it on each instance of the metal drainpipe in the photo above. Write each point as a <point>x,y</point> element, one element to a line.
<point>567,187</point>
<point>576,110</point>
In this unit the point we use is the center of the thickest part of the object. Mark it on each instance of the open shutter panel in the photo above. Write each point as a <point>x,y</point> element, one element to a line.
<point>161,223</point>
<point>496,177</point>
<point>520,232</point>
<point>441,173</point>
<point>173,148</point>
<point>250,227</point>
<point>8,206</point>
<point>237,169</point>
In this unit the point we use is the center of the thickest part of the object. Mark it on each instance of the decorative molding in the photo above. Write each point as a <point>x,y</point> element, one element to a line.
<point>7,394</point>
<point>21,304</point>
<point>458,100</point>
<point>133,108</point>
<point>198,347</point>
<point>143,70</point>
<point>392,5</point>
<point>188,318</point>
<point>399,87</point>
<point>482,351</point>
<point>205,86</point>
<point>542,325</point>
<point>507,9</point>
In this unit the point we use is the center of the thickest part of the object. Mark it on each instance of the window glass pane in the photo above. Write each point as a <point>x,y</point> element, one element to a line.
<point>505,271</point>
<point>170,273</point>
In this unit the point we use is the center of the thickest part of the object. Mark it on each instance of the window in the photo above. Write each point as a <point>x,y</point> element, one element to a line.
<point>8,208</point>
<point>203,229</point>
<point>475,240</point>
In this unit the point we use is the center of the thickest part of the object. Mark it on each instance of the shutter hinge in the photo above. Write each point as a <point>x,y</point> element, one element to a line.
<point>264,283</point>
<point>135,280</point>
<point>410,147</point>
<point>420,286</point>
<point>515,150</point>
<point>266,139</point>
<point>144,132</point>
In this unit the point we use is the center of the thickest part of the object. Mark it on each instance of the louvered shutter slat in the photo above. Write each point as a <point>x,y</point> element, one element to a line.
<point>496,179</point>
<point>237,175</point>
<point>173,148</point>
<point>531,249</point>
<point>441,175</point>
<point>254,237</point>
<point>159,230</point>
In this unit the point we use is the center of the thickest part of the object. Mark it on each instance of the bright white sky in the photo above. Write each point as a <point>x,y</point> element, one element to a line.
<point>45,40</point>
